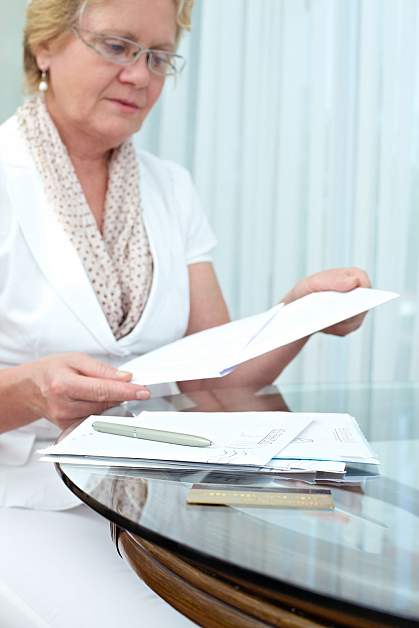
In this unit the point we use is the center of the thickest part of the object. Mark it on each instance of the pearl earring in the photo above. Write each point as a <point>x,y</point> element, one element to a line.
<point>43,85</point>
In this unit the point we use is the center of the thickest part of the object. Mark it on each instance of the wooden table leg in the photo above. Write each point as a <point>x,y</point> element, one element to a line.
<point>203,596</point>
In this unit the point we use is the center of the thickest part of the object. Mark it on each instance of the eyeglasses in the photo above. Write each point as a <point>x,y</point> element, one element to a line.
<point>123,51</point>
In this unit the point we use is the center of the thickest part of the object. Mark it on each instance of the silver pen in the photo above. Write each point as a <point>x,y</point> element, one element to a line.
<point>145,433</point>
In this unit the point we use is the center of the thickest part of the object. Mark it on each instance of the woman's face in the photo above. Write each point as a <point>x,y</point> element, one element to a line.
<point>91,95</point>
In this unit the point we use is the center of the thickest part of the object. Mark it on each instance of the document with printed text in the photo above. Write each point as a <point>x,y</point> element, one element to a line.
<point>330,436</point>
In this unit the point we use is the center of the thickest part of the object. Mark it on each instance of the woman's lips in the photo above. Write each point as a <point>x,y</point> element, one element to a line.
<point>125,104</point>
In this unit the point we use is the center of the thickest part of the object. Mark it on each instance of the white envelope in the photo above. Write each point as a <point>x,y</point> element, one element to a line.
<point>217,351</point>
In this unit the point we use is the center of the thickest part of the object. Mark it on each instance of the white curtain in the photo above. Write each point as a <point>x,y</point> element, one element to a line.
<point>299,122</point>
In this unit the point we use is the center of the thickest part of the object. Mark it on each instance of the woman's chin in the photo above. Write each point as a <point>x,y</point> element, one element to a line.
<point>119,131</point>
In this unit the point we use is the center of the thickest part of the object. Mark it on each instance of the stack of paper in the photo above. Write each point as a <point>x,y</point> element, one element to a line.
<point>277,443</point>
<point>326,446</point>
<point>239,438</point>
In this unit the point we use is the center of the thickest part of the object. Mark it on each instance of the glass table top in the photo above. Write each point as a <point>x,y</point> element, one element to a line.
<point>363,554</point>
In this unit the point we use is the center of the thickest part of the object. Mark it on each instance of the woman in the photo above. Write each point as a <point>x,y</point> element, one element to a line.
<point>104,254</point>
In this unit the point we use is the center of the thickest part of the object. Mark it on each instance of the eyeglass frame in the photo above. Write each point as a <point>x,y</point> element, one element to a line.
<point>140,51</point>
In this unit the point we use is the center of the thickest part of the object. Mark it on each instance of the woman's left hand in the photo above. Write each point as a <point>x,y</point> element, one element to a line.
<point>340,280</point>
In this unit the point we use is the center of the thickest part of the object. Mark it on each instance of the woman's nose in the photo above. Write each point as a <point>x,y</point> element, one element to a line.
<point>137,73</point>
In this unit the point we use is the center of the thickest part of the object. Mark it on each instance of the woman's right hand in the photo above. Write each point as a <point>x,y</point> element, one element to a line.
<point>70,386</point>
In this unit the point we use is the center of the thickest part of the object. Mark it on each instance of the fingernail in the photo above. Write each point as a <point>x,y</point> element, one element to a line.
<point>142,394</point>
<point>123,374</point>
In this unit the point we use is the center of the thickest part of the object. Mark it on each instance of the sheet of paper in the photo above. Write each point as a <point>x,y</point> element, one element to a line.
<point>312,313</point>
<point>325,466</point>
<point>244,474</point>
<point>330,437</point>
<point>240,438</point>
<point>199,356</point>
<point>217,351</point>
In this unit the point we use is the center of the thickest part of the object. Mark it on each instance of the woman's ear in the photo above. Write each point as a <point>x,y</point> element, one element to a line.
<point>43,57</point>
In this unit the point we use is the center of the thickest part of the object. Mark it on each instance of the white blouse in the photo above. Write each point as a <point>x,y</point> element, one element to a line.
<point>47,304</point>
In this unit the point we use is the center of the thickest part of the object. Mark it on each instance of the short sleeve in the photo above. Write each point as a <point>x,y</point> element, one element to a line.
<point>199,238</point>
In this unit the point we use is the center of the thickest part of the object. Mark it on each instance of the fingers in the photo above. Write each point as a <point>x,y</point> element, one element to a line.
<point>335,279</point>
<point>338,279</point>
<point>91,389</point>
<point>100,382</point>
<point>346,327</point>
<point>358,276</point>
<point>74,396</point>
<point>71,385</point>
<point>86,365</point>
<point>344,280</point>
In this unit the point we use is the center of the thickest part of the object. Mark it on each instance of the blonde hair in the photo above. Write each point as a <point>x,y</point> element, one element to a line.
<point>47,20</point>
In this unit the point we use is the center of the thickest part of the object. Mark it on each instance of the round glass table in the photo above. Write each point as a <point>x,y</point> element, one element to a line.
<point>355,565</point>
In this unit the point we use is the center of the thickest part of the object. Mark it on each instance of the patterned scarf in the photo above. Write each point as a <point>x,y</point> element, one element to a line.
<point>118,263</point>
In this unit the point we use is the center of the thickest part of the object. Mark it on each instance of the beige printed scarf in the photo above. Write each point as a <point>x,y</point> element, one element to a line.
<point>119,263</point>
